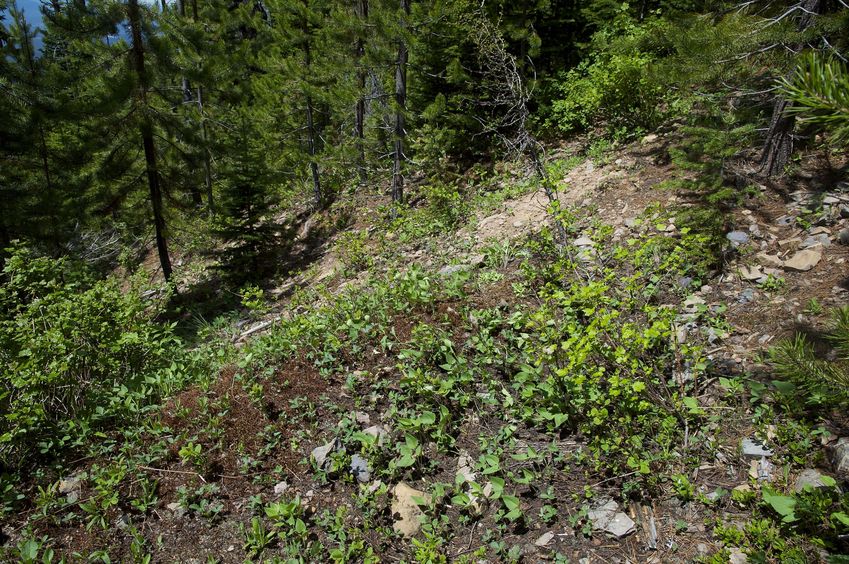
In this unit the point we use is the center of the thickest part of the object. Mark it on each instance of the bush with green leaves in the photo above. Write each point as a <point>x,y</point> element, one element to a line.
<point>75,354</point>
<point>614,84</point>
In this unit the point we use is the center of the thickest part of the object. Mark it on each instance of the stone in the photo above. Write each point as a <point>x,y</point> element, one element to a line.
<point>360,469</point>
<point>453,269</point>
<point>177,509</point>
<point>465,467</point>
<point>378,431</point>
<point>544,539</point>
<point>406,511</point>
<point>650,138</point>
<point>819,231</point>
<point>830,200</point>
<point>809,477</point>
<point>844,212</point>
<point>583,242</point>
<point>752,273</point>
<point>280,488</point>
<point>746,296</point>
<point>606,518</point>
<point>790,244</point>
<point>840,457</point>
<point>737,556</point>
<point>803,260</point>
<point>362,418</point>
<point>320,453</point>
<point>737,238</point>
<point>630,222</point>
<point>842,186</point>
<point>814,240</point>
<point>767,259</point>
<point>518,224</point>
<point>685,282</point>
<point>70,487</point>
<point>70,484</point>
<point>843,237</point>
<point>476,261</point>
<point>753,448</point>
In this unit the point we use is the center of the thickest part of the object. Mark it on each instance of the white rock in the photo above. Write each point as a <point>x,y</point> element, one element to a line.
<point>280,488</point>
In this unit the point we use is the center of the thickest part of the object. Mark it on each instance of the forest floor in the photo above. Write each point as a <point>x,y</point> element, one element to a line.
<point>404,399</point>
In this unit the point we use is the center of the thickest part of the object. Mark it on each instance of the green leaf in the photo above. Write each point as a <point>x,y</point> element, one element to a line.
<point>781,504</point>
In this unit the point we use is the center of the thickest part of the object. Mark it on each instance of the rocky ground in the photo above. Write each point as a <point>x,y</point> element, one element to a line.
<point>328,448</point>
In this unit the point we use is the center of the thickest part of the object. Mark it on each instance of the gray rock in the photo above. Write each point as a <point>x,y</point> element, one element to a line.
<point>71,487</point>
<point>70,484</point>
<point>650,138</point>
<point>630,222</point>
<point>815,240</point>
<point>830,200</point>
<point>583,242</point>
<point>804,260</point>
<point>360,469</point>
<point>843,237</point>
<point>280,488</point>
<point>737,238</point>
<point>746,296</point>
<point>476,261</point>
<point>320,453</point>
<point>178,510</point>
<point>840,457</point>
<point>606,518</point>
<point>809,477</point>
<point>790,244</point>
<point>844,212</point>
<point>544,539</point>
<point>786,220</point>
<point>753,448</point>
<point>842,186</point>
<point>362,418</point>
<point>453,269</point>
<point>465,467</point>
<point>767,259</point>
<point>737,556</point>
<point>752,273</point>
<point>685,281</point>
<point>378,431</point>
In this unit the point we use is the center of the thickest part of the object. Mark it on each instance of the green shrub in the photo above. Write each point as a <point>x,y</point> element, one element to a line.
<point>74,353</point>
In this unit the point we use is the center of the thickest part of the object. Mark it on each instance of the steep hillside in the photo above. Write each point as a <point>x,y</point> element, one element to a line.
<point>484,391</point>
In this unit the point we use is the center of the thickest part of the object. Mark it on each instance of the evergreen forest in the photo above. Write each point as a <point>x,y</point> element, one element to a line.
<point>424,281</point>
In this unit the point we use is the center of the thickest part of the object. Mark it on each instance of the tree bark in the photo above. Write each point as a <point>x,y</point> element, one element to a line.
<point>316,183</point>
<point>778,145</point>
<point>400,108</point>
<point>362,12</point>
<point>146,130</point>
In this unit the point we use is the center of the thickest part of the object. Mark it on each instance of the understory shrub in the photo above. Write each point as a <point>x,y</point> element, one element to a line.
<point>75,352</point>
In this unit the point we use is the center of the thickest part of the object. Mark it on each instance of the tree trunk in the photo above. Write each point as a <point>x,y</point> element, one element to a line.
<point>147,139</point>
<point>400,109</point>
<point>362,12</point>
<point>778,145</point>
<point>316,184</point>
<point>207,156</point>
